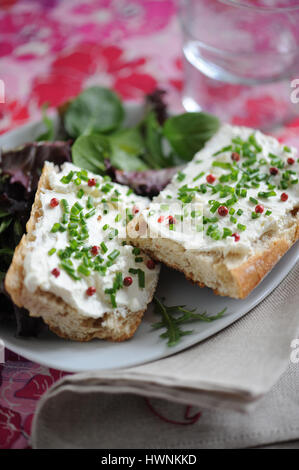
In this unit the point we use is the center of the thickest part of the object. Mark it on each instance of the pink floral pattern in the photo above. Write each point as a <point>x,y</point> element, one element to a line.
<point>49,51</point>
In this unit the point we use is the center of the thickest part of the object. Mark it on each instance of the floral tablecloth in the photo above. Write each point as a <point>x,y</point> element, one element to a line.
<point>49,51</point>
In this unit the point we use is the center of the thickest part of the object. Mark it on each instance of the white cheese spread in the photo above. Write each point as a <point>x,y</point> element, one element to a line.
<point>240,186</point>
<point>80,252</point>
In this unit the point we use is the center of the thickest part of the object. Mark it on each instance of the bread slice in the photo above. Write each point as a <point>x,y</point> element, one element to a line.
<point>62,316</point>
<point>245,244</point>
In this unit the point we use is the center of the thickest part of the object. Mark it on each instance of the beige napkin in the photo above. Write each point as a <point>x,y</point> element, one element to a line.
<point>229,372</point>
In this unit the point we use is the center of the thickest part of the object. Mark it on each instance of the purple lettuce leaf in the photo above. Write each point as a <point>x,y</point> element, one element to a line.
<point>145,183</point>
<point>20,170</point>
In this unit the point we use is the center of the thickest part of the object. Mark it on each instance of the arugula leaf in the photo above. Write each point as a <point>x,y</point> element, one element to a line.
<point>96,109</point>
<point>3,213</point>
<point>90,151</point>
<point>6,251</point>
<point>153,137</point>
<point>5,224</point>
<point>49,134</point>
<point>172,322</point>
<point>188,132</point>
<point>127,145</point>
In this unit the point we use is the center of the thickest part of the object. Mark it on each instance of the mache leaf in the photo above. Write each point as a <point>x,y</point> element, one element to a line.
<point>96,109</point>
<point>187,133</point>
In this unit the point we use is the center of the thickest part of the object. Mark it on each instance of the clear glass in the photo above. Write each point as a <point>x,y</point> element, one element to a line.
<point>240,59</point>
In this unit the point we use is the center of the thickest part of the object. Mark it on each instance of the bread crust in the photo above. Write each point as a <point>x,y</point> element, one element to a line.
<point>211,269</point>
<point>62,319</point>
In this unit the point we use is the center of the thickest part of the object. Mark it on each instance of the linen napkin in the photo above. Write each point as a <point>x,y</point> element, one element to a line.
<point>229,372</point>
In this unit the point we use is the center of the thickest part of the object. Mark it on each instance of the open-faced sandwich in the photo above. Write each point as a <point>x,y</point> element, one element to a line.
<point>229,215</point>
<point>74,267</point>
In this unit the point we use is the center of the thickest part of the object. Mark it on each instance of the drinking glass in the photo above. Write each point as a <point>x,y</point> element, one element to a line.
<point>241,59</point>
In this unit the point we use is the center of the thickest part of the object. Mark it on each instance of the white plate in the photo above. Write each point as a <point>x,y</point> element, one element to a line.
<point>146,345</point>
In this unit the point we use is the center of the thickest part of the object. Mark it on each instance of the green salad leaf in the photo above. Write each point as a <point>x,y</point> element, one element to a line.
<point>127,147</point>
<point>96,109</point>
<point>188,132</point>
<point>95,120</point>
<point>90,151</point>
<point>49,133</point>
<point>153,137</point>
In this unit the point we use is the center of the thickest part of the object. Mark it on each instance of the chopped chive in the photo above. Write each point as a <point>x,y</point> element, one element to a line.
<point>90,213</point>
<point>253,200</point>
<point>113,300</point>
<point>241,227</point>
<point>80,193</point>
<point>117,218</point>
<point>268,212</point>
<point>83,270</point>
<point>65,205</point>
<point>233,219</point>
<point>105,227</point>
<point>133,271</point>
<point>239,212</point>
<point>224,149</point>
<point>198,176</point>
<point>136,251</point>
<point>226,232</point>
<point>67,178</point>
<point>214,207</point>
<point>69,270</point>
<point>64,219</point>
<point>284,184</point>
<point>138,259</point>
<point>55,227</point>
<point>113,233</point>
<point>255,215</point>
<point>101,269</point>
<point>118,281</point>
<point>232,211</point>
<point>286,148</point>
<point>89,204</point>
<point>113,255</point>
<point>243,193</point>
<point>181,176</point>
<point>106,188</point>
<point>104,247</point>
<point>215,235</point>
<point>78,206</point>
<point>130,191</point>
<point>266,194</point>
<point>141,278</point>
<point>224,165</point>
<point>83,175</point>
<point>52,251</point>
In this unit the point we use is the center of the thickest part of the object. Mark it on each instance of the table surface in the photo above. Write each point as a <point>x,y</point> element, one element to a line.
<point>49,51</point>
